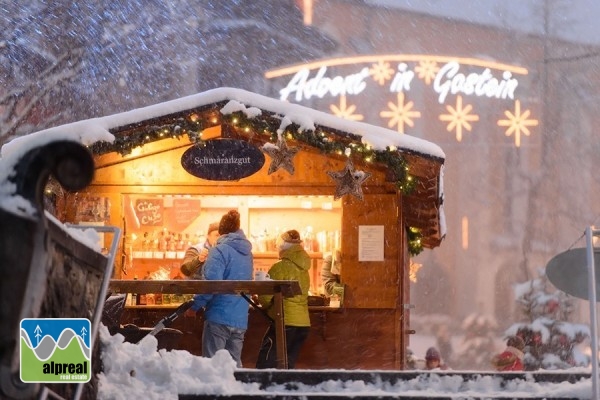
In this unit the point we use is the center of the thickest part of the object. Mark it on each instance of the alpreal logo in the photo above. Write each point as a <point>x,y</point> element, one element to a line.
<point>55,350</point>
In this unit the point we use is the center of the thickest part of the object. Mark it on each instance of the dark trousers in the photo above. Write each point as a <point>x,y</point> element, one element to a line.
<point>295,336</point>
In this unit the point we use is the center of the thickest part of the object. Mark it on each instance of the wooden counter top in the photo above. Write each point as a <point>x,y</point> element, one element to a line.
<point>189,286</point>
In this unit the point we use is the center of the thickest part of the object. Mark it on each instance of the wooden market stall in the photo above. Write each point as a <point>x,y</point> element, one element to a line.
<point>371,192</point>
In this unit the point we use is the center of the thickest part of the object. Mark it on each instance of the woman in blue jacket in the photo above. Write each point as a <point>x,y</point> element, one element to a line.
<point>226,315</point>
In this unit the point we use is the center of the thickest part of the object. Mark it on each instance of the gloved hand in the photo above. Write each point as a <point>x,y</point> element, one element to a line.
<point>338,289</point>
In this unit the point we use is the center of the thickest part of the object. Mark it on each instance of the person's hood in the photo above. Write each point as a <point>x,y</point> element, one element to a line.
<point>298,256</point>
<point>238,241</point>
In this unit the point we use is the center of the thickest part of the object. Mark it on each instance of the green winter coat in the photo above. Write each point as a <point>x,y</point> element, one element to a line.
<point>293,265</point>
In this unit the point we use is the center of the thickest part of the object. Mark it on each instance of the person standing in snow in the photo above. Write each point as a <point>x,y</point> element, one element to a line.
<point>195,255</point>
<point>226,315</point>
<point>293,265</point>
<point>433,360</point>
<point>511,359</point>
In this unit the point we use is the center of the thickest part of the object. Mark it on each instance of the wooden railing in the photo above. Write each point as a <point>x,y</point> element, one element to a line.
<point>279,290</point>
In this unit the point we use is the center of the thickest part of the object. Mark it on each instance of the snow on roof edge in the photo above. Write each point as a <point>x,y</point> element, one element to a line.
<point>97,129</point>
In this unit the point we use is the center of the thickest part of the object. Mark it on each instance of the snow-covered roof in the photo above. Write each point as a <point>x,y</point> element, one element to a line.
<point>228,101</point>
<point>92,130</point>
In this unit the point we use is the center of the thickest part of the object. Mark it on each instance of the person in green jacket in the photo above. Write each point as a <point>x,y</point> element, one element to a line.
<point>293,264</point>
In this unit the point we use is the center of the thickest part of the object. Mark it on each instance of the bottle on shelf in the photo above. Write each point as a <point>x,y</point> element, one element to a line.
<point>150,299</point>
<point>133,297</point>
<point>309,242</point>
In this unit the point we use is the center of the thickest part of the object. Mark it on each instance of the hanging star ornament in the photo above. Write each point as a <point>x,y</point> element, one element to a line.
<point>281,155</point>
<point>349,181</point>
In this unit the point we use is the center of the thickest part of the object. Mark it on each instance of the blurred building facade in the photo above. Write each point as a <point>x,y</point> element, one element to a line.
<point>515,114</point>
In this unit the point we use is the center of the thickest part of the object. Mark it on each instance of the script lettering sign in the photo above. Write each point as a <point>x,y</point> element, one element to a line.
<point>223,160</point>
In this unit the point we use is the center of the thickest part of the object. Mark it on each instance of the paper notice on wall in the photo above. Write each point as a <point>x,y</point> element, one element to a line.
<point>370,243</point>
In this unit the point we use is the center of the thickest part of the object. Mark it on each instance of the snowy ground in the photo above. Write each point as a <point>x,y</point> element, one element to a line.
<point>139,370</point>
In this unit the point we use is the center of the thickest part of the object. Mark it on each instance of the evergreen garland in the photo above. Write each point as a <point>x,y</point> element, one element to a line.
<point>327,141</point>
<point>414,241</point>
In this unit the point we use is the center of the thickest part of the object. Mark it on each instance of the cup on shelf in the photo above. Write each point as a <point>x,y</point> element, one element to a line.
<point>261,276</point>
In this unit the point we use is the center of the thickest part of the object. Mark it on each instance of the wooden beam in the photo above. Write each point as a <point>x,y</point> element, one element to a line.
<point>185,286</point>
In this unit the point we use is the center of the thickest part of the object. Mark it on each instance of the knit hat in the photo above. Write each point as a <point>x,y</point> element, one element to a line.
<point>287,239</point>
<point>212,227</point>
<point>291,236</point>
<point>230,222</point>
<point>517,342</point>
<point>432,354</point>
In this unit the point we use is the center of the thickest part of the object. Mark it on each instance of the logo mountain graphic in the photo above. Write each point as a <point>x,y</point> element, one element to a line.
<point>52,350</point>
<point>44,350</point>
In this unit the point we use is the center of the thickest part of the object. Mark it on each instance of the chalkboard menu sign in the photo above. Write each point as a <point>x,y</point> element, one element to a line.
<point>149,212</point>
<point>223,159</point>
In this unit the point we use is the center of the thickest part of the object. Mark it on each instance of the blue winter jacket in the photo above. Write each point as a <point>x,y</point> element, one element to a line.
<point>230,259</point>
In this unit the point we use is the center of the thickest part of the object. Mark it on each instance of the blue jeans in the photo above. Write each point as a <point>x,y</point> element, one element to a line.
<point>218,337</point>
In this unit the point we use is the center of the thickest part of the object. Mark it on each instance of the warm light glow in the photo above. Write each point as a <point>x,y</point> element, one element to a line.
<point>413,270</point>
<point>381,72</point>
<point>136,151</point>
<point>465,233</point>
<point>427,70</point>
<point>345,111</point>
<point>459,117</point>
<point>517,123</point>
<point>307,6</point>
<point>306,205</point>
<point>400,114</point>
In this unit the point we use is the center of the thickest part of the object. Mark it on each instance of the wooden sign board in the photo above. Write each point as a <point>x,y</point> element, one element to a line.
<point>223,160</point>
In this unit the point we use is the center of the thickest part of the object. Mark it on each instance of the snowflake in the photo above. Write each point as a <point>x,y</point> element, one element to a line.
<point>427,70</point>
<point>345,111</point>
<point>381,72</point>
<point>400,113</point>
<point>459,118</point>
<point>517,123</point>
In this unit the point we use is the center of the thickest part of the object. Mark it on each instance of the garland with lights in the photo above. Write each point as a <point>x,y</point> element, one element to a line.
<point>327,142</point>
<point>331,142</point>
<point>414,241</point>
<point>191,127</point>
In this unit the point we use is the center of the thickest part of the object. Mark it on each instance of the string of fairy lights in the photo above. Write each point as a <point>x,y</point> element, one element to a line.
<point>328,141</point>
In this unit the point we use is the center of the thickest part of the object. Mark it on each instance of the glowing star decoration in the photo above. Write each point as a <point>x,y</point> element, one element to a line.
<point>381,72</point>
<point>517,123</point>
<point>281,155</point>
<point>345,111</point>
<point>459,118</point>
<point>427,70</point>
<point>400,114</point>
<point>349,181</point>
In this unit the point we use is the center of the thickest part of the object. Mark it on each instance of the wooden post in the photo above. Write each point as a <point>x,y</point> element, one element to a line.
<point>282,361</point>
